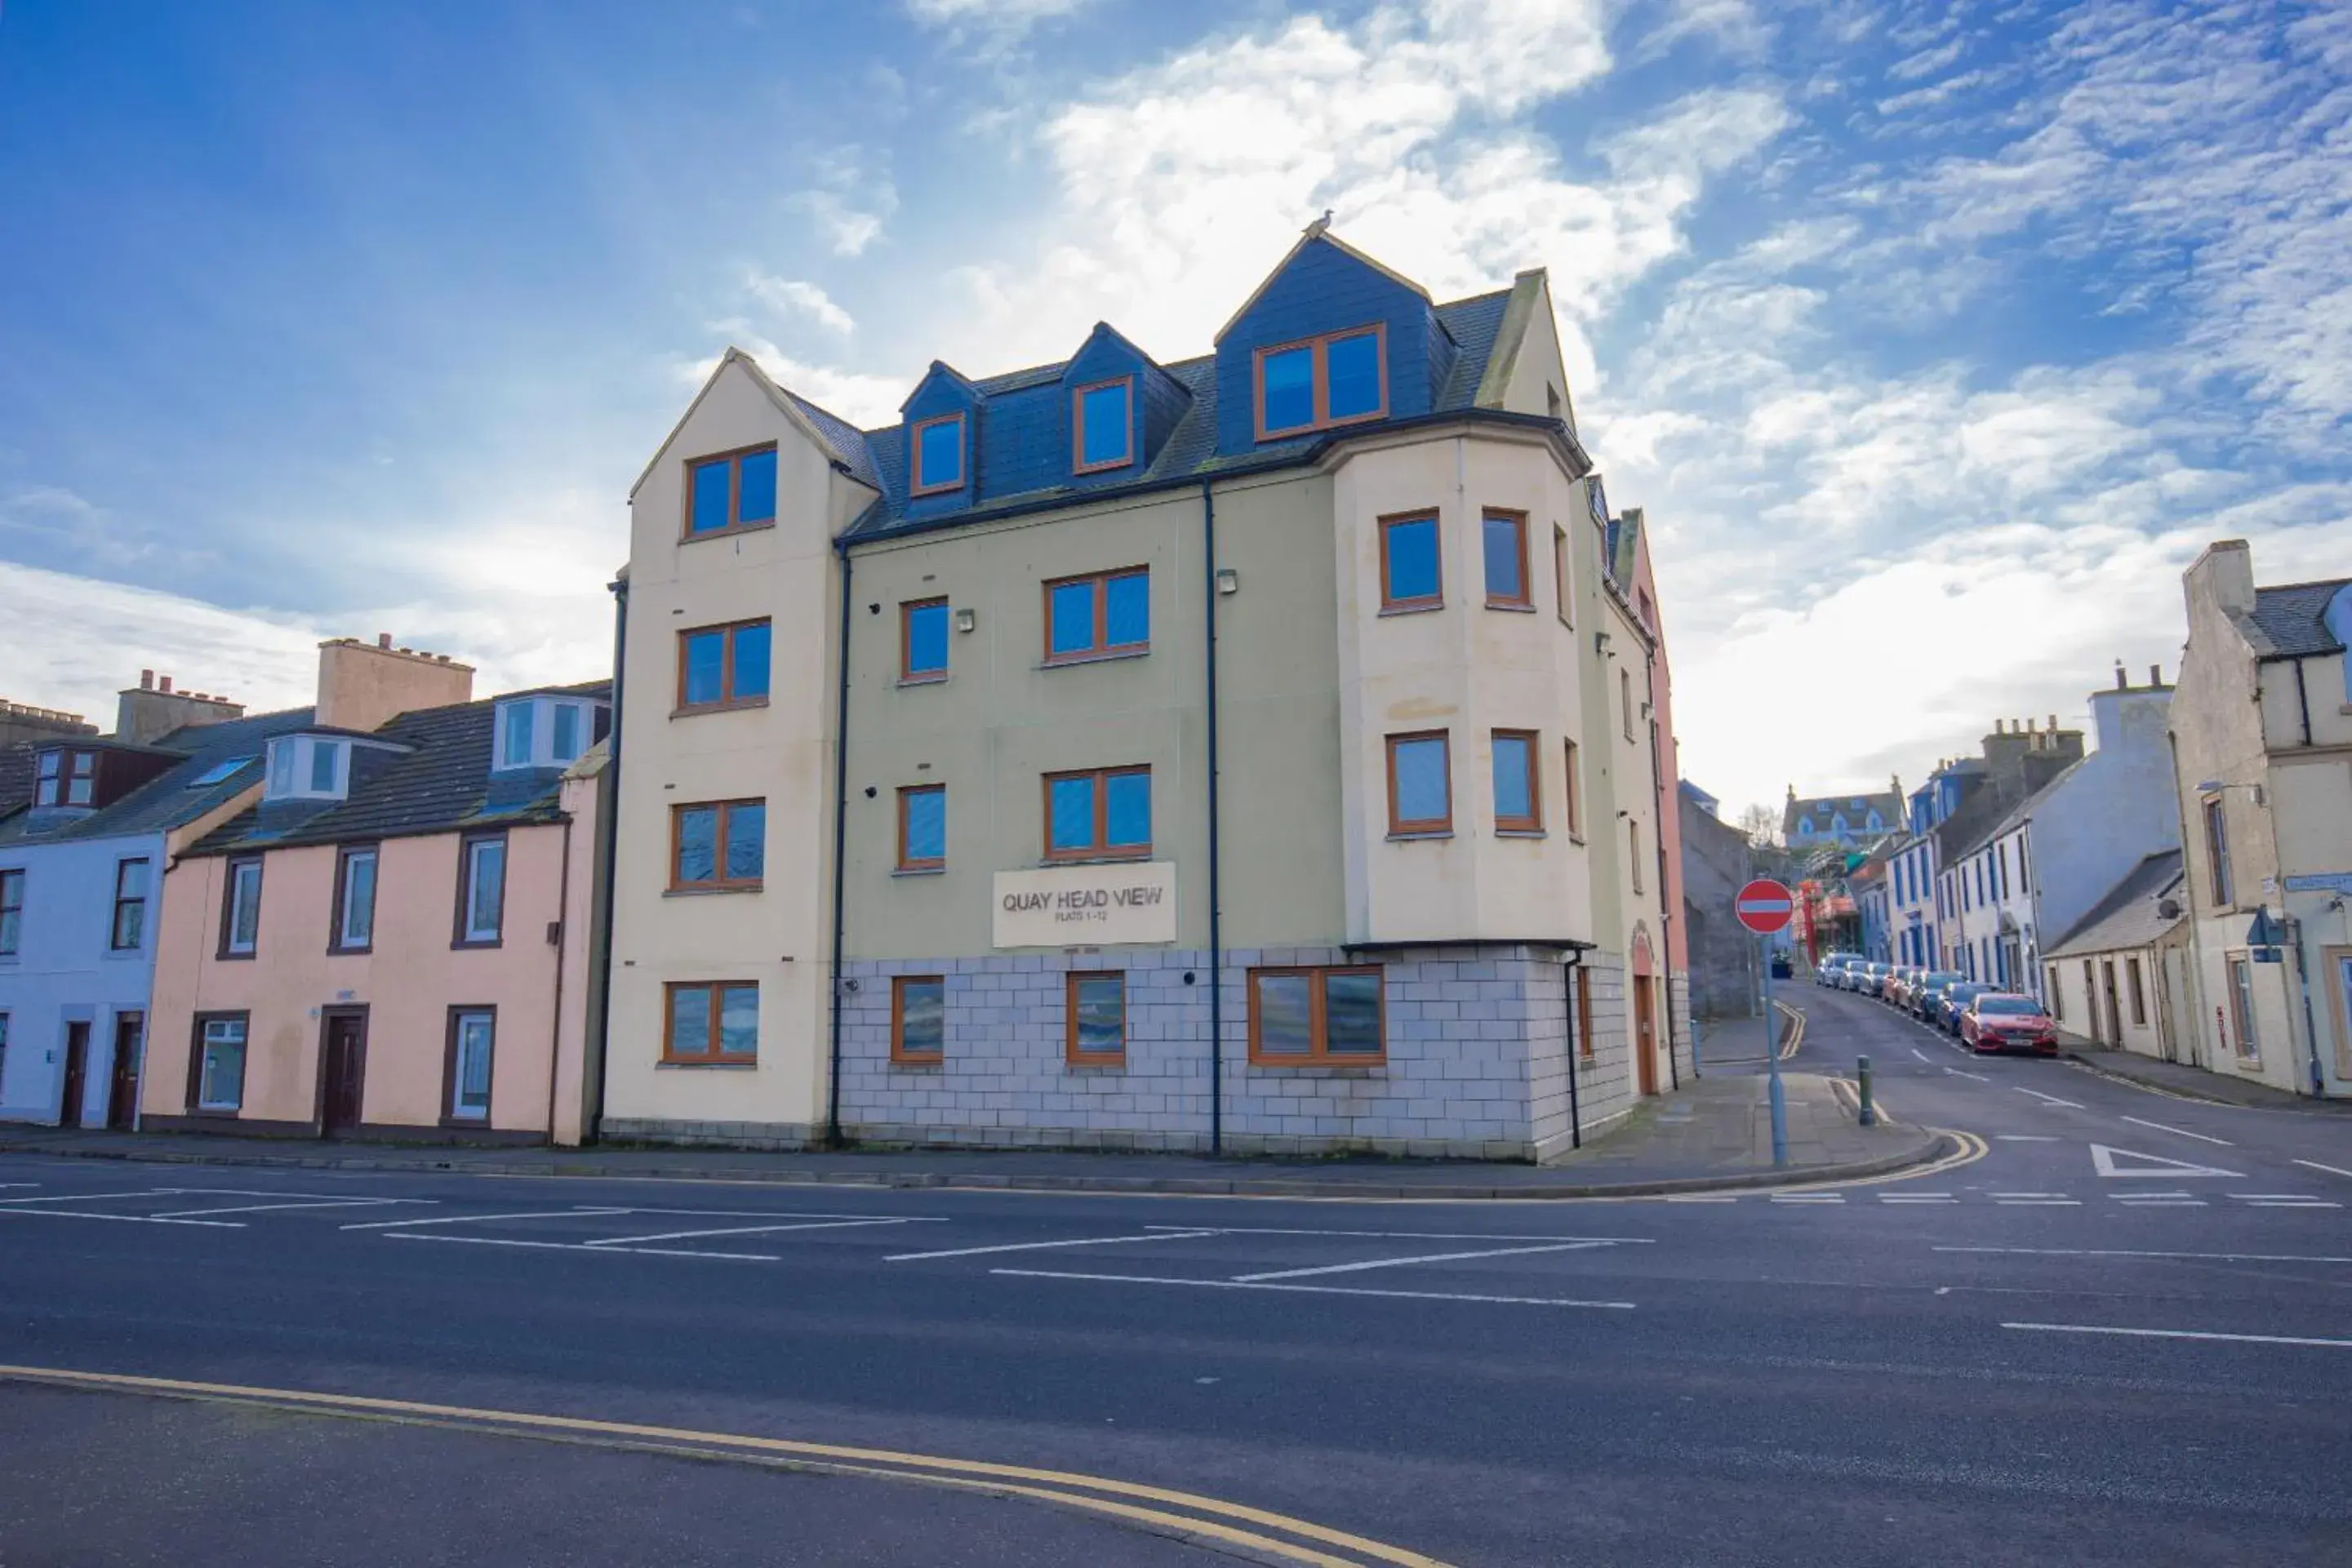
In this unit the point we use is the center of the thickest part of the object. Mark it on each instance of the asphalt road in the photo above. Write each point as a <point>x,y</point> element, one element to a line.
<point>2051,1354</point>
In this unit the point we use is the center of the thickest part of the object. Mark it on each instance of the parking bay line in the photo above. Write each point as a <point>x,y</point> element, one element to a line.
<point>88,1197</point>
<point>2331,1170</point>
<point>1042,1246</point>
<point>2179,1132</point>
<point>744,1230</point>
<point>481,1219</point>
<point>1401,1235</point>
<point>2050,1099</point>
<point>125,1219</point>
<point>2132,1252</point>
<point>1403,1263</point>
<point>583,1247</point>
<point>1316,1289</point>
<point>311,1203</point>
<point>2184,1333</point>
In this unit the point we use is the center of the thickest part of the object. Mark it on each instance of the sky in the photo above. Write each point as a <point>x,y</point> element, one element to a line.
<point>1934,339</point>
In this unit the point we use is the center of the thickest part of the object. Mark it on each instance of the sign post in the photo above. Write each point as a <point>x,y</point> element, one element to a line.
<point>1765,907</point>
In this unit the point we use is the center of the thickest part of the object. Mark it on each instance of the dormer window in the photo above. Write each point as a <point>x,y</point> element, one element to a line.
<point>730,491</point>
<point>308,767</point>
<point>64,779</point>
<point>938,449</point>
<point>1339,378</point>
<point>1102,425</point>
<point>547,730</point>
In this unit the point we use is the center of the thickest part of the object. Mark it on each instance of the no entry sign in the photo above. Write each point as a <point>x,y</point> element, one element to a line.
<point>1764,906</point>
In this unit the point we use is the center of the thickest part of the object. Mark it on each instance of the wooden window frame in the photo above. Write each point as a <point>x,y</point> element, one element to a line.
<point>1633,848</point>
<point>734,461</point>
<point>710,1055</point>
<point>1071,1053</point>
<point>2136,981</point>
<point>344,855</point>
<point>1420,827</point>
<point>1319,1037</point>
<point>228,951</point>
<point>1532,824</point>
<point>1320,381</point>
<point>900,1055</point>
<point>1573,793</point>
<point>1625,699</point>
<point>449,1116</point>
<point>915,484</point>
<point>1526,598</point>
<point>727,700</point>
<point>907,675</point>
<point>1100,849</point>
<point>460,934</point>
<point>13,879</point>
<point>927,863</point>
<point>1079,465</point>
<point>1563,576</point>
<point>81,777</point>
<point>1101,647</point>
<point>1390,603</point>
<point>722,835</point>
<point>114,942</point>
<point>192,1102</point>
<point>1584,1015</point>
<point>49,778</point>
<point>2221,876</point>
<point>2247,1046</point>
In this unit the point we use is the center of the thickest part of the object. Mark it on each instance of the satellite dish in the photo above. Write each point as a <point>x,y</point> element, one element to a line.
<point>2167,908</point>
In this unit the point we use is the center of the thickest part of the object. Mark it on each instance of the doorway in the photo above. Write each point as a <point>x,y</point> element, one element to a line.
<point>2115,1014</point>
<point>122,1082</point>
<point>342,1069</point>
<point>1645,1046</point>
<point>76,1068</point>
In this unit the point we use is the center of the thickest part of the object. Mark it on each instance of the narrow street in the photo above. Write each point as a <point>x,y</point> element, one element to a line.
<point>2049,1353</point>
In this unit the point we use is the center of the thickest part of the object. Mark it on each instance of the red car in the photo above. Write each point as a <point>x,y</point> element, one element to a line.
<point>2000,1019</point>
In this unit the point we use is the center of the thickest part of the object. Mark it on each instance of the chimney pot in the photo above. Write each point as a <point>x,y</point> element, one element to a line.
<point>163,683</point>
<point>384,638</point>
<point>2123,682</point>
<point>1996,726</point>
<point>2155,675</point>
<point>146,680</point>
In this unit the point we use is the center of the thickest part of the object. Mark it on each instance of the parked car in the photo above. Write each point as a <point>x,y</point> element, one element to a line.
<point>1997,1021</point>
<point>1830,969</point>
<point>1897,989</point>
<point>1780,970</point>
<point>1870,978</point>
<point>1932,984</point>
<point>1954,1001</point>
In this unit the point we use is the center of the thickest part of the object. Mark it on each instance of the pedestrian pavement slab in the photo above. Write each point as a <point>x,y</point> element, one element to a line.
<point>2196,1082</point>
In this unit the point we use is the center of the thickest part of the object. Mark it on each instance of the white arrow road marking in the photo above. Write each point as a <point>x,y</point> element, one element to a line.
<point>2180,1132</point>
<point>2184,1333</point>
<point>1402,1262</point>
<point>2051,1098</point>
<point>2156,1166</point>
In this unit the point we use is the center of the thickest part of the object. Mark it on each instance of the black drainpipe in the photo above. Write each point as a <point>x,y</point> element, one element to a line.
<point>608,798</point>
<point>1665,914</point>
<point>1568,999</point>
<point>1216,925</point>
<point>840,872</point>
<point>2302,701</point>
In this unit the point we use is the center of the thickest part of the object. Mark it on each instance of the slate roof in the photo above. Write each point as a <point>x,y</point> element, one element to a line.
<point>16,777</point>
<point>443,785</point>
<point>846,439</point>
<point>166,802</point>
<point>2286,621</point>
<point>2126,916</point>
<point>1190,452</point>
<point>1855,809</point>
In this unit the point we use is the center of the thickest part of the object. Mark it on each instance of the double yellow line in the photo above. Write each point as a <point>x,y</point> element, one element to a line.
<point>1185,1516</point>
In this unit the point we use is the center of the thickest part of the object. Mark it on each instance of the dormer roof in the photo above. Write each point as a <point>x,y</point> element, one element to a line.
<point>835,437</point>
<point>1316,233</point>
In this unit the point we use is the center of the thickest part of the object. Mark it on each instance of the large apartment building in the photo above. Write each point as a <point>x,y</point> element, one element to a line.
<point>1259,751</point>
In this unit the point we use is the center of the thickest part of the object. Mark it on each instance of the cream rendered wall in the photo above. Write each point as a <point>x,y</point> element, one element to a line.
<point>781,752</point>
<point>1464,668</point>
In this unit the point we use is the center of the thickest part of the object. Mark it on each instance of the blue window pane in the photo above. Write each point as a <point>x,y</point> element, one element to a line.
<point>1512,798</point>
<point>323,766</point>
<point>927,825</point>
<point>1103,425</point>
<point>1100,1001</point>
<point>750,661</point>
<point>1353,368</point>
<point>1412,560</point>
<point>927,640</point>
<point>1285,1015</point>
<point>1289,389</point>
<point>1506,572</point>
<point>755,489</point>
<point>922,1017</point>
<point>690,1021</point>
<point>516,741</point>
<point>747,842</point>
<point>1421,782</point>
<point>709,496</point>
<point>1074,618</point>
<point>939,454</point>
<point>1129,809</point>
<point>739,1021</point>
<point>697,844</point>
<point>1071,815</point>
<point>706,662</point>
<point>1128,611</point>
<point>1351,1015</point>
<point>567,732</point>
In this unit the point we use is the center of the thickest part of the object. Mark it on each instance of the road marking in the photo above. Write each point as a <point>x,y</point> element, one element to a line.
<point>2128,1252</point>
<point>742,1230</point>
<point>311,1203</point>
<point>583,1247</point>
<point>2038,1203</point>
<point>1701,1198</point>
<point>1041,1245</point>
<point>2184,1333</point>
<point>484,1218</point>
<point>2051,1098</point>
<point>125,1219</point>
<point>1402,1234</point>
<point>1963,1073</point>
<point>269,1192</point>
<point>2104,1159</point>
<point>2331,1170</point>
<point>2179,1132</point>
<point>1317,1290</point>
<point>1916,1197</point>
<point>932,1470</point>
<point>87,1196</point>
<point>1404,1262</point>
<point>1921,1055</point>
<point>1809,1197</point>
<point>2284,1200</point>
<point>11,1185</point>
<point>2027,1138</point>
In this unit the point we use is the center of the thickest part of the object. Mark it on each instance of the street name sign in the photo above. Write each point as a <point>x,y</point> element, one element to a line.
<point>1764,906</point>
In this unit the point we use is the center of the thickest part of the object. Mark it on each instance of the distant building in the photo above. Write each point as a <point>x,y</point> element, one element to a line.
<point>1846,820</point>
<point>2120,975</point>
<point>1716,860</point>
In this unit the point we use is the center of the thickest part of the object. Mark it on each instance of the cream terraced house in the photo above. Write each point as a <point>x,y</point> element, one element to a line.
<point>1251,752</point>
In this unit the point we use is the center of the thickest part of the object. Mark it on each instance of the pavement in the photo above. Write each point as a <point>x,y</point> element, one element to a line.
<point>2110,1333</point>
<point>1713,1134</point>
<point>2195,1082</point>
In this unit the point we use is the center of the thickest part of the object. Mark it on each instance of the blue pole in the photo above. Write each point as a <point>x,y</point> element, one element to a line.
<point>1772,1063</point>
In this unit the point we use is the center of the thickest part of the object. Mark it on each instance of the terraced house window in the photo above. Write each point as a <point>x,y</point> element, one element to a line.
<point>241,909</point>
<point>1421,784</point>
<point>711,1023</point>
<point>723,666</point>
<point>720,845</point>
<point>1100,813</point>
<point>50,772</point>
<point>1102,613</point>
<point>937,455</point>
<point>1411,576</point>
<point>1504,537</point>
<point>918,1020</point>
<point>1102,429</point>
<point>1560,574</point>
<point>472,1035</point>
<point>1339,378</point>
<point>481,891</point>
<point>1316,1017</point>
<point>12,912</point>
<point>923,827</point>
<point>1097,1018</point>
<point>217,1068</point>
<point>2242,1006</point>
<point>355,927</point>
<point>731,491</point>
<point>1518,793</point>
<point>923,641</point>
<point>129,930</point>
<point>1575,798</point>
<point>2217,855</point>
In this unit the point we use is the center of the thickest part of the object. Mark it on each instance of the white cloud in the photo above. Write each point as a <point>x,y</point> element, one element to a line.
<point>846,229</point>
<point>1001,14</point>
<point>870,401</point>
<point>792,297</point>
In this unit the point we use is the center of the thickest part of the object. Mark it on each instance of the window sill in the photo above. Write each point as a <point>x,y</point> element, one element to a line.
<point>1416,835</point>
<point>691,709</point>
<point>692,891</point>
<point>918,1063</point>
<point>1063,661</point>
<point>732,530</point>
<point>1096,1063</point>
<point>1123,857</point>
<point>918,870</point>
<point>1519,606</point>
<point>924,491</point>
<point>937,680</point>
<point>236,957</point>
<point>218,1112</point>
<point>1412,607</point>
<point>738,1064</point>
<point>117,954</point>
<point>1364,1069</point>
<point>1109,465</point>
<point>1521,834</point>
<point>483,945</point>
<point>349,952</point>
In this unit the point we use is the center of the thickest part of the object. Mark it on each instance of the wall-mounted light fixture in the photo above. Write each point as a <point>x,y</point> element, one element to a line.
<point>1601,644</point>
<point>1228,580</point>
<point>966,620</point>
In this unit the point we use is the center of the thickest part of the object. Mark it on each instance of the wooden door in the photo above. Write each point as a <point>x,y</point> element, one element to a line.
<point>76,1065</point>
<point>343,1071</point>
<point>1645,1036</point>
<point>2115,1014</point>
<point>122,1083</point>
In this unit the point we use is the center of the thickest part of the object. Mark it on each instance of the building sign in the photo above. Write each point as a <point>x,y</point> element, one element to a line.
<point>1087,905</point>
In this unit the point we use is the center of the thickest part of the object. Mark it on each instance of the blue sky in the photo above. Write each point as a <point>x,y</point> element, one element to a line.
<point>1934,339</point>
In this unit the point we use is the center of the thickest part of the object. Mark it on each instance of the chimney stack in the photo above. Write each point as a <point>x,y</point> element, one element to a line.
<point>152,709</point>
<point>146,680</point>
<point>2155,675</point>
<point>363,686</point>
